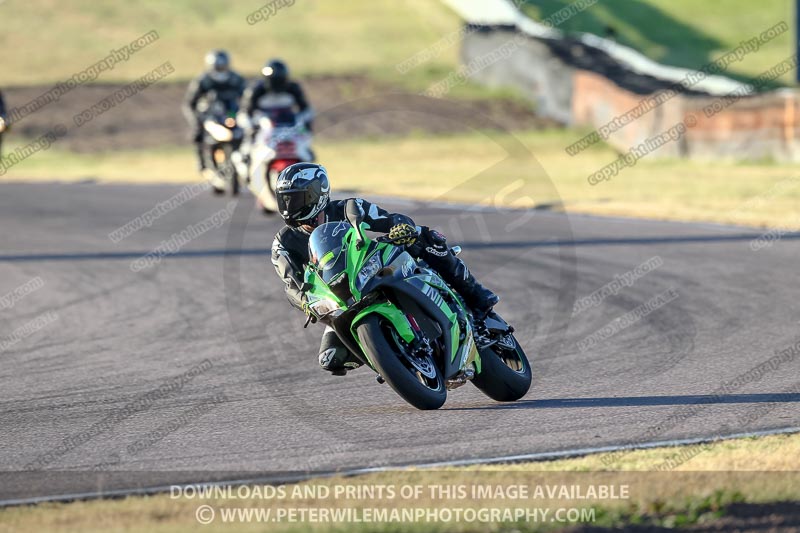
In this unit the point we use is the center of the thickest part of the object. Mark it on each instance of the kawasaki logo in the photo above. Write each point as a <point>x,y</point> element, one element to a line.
<point>433,294</point>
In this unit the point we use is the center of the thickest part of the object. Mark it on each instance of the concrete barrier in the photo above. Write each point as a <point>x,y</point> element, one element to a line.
<point>578,82</point>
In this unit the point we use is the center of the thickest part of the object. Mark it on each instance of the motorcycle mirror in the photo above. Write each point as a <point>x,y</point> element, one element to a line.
<point>355,214</point>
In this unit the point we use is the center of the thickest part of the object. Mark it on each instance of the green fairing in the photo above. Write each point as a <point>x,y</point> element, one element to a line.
<point>319,289</point>
<point>355,260</point>
<point>451,316</point>
<point>387,251</point>
<point>454,320</point>
<point>392,313</point>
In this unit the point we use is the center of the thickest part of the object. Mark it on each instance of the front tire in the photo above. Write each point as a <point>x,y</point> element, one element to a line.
<point>421,392</point>
<point>234,180</point>
<point>505,373</point>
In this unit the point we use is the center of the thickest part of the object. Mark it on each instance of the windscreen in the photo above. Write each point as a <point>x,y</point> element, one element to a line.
<point>325,249</point>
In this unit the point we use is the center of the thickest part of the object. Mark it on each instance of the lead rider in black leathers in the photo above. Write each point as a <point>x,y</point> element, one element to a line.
<point>303,193</point>
<point>217,84</point>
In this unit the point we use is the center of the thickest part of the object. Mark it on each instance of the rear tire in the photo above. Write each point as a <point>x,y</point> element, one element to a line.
<point>389,363</point>
<point>497,379</point>
<point>271,180</point>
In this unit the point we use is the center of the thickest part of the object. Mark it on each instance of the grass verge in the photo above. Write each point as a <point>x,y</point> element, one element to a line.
<point>697,490</point>
<point>685,33</point>
<point>313,36</point>
<point>477,168</point>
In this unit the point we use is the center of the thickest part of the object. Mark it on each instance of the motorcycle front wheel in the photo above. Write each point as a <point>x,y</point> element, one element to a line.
<point>422,390</point>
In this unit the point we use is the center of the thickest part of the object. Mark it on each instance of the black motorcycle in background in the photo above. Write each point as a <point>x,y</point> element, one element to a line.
<point>221,138</point>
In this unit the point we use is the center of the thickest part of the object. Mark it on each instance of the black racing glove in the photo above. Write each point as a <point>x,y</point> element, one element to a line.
<point>403,234</point>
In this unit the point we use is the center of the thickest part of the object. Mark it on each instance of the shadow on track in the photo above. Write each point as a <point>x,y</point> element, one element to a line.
<point>639,401</point>
<point>221,252</point>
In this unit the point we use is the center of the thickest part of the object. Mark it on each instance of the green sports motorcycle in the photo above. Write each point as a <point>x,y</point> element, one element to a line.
<point>398,316</point>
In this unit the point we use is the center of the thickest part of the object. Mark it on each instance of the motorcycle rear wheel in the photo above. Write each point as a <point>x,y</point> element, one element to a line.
<point>420,391</point>
<point>505,374</point>
<point>272,181</point>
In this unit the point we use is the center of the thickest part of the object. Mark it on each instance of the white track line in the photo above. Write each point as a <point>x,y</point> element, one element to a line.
<point>295,478</point>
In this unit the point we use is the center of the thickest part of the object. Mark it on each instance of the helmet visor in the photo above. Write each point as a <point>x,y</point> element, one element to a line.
<point>295,204</point>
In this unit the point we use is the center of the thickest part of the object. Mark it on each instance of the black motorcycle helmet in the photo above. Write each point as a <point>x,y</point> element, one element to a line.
<point>218,60</point>
<point>276,74</point>
<point>218,64</point>
<point>303,191</point>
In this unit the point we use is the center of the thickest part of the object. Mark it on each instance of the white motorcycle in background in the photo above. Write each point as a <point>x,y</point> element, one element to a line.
<point>282,139</point>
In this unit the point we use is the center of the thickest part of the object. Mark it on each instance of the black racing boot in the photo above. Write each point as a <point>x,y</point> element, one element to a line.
<point>201,158</point>
<point>334,355</point>
<point>342,370</point>
<point>480,299</point>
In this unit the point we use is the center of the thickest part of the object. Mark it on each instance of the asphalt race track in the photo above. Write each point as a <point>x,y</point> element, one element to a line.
<point>198,366</point>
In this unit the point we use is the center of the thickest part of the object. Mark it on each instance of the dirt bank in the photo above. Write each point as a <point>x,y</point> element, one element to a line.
<point>152,118</point>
